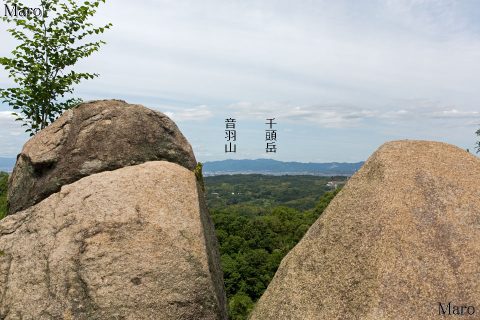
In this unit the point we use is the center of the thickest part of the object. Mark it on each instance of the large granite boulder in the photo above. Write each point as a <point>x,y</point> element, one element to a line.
<point>134,243</point>
<point>400,241</point>
<point>93,137</point>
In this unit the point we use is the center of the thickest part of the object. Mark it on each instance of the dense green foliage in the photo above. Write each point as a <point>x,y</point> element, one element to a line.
<point>254,192</point>
<point>50,44</point>
<point>3,194</point>
<point>258,221</point>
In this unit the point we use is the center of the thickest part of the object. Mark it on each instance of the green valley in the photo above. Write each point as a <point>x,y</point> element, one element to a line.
<point>258,220</point>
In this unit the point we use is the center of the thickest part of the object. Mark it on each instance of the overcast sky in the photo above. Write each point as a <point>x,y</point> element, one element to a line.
<point>340,77</point>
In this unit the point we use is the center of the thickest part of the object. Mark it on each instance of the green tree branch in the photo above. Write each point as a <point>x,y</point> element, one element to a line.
<point>41,65</point>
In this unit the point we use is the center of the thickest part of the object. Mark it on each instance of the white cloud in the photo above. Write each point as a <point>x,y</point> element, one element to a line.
<point>12,135</point>
<point>454,113</point>
<point>6,115</point>
<point>8,120</point>
<point>325,116</point>
<point>199,113</point>
<point>308,52</point>
<point>312,52</point>
<point>341,116</point>
<point>336,64</point>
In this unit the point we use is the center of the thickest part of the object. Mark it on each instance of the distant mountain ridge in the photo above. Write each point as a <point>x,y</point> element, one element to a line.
<point>275,167</point>
<point>260,166</point>
<point>7,164</point>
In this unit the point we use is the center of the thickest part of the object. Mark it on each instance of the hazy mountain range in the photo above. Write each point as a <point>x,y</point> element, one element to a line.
<point>274,167</point>
<point>259,166</point>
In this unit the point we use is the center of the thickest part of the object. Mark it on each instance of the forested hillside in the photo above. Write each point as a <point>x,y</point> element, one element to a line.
<point>250,193</point>
<point>258,220</point>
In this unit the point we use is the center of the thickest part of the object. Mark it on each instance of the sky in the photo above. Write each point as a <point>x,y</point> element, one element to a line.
<point>339,77</point>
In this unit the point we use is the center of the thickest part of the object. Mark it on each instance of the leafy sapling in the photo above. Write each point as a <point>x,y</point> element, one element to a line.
<point>52,39</point>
